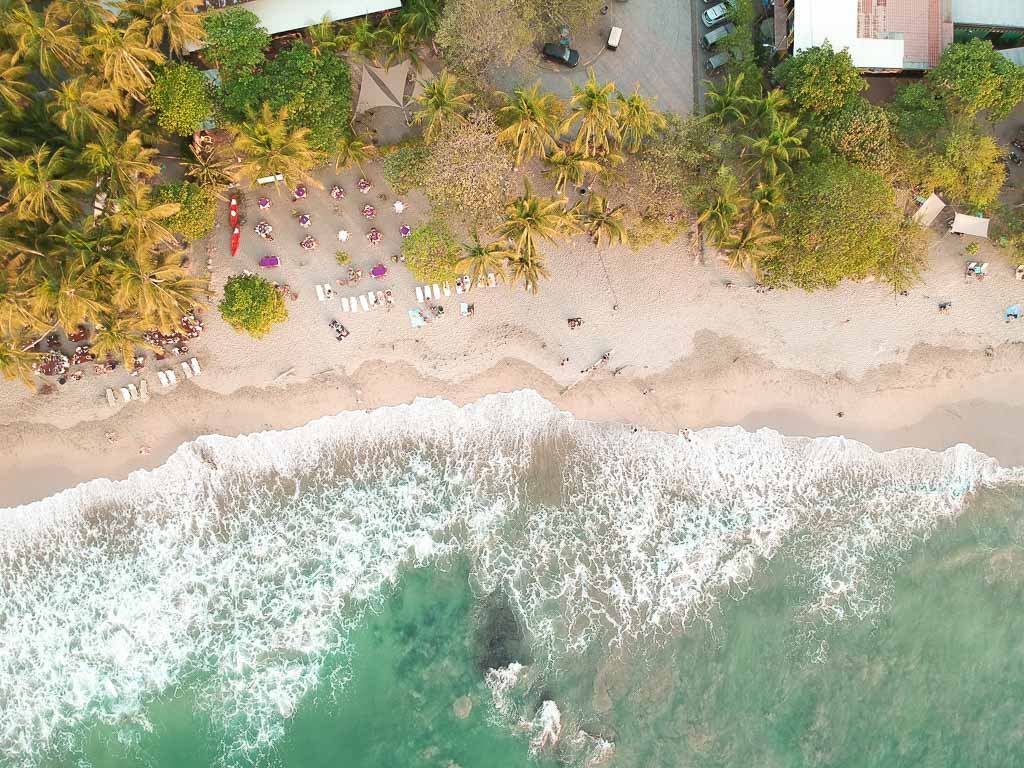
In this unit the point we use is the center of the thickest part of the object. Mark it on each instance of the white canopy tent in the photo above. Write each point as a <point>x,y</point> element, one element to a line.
<point>374,91</point>
<point>969,225</point>
<point>929,210</point>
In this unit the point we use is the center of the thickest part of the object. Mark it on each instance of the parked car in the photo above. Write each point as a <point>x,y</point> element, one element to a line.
<point>716,14</point>
<point>709,39</point>
<point>562,54</point>
<point>717,61</point>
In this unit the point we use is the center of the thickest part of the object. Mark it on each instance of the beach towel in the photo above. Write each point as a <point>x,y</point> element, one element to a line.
<point>320,292</point>
<point>416,319</point>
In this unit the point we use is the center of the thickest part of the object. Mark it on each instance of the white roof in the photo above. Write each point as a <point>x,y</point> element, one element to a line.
<point>286,15</point>
<point>931,208</point>
<point>1016,55</point>
<point>970,225</point>
<point>997,13</point>
<point>835,21</point>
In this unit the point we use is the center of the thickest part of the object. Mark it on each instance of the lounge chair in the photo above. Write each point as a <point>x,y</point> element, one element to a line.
<point>492,281</point>
<point>133,391</point>
<point>144,390</point>
<point>320,293</point>
<point>328,291</point>
<point>111,400</point>
<point>458,287</point>
<point>195,366</point>
<point>464,309</point>
<point>372,298</point>
<point>365,303</point>
<point>344,304</point>
<point>419,295</point>
<point>447,289</point>
<point>172,377</point>
<point>186,370</point>
<point>437,291</point>
<point>164,381</point>
<point>125,394</point>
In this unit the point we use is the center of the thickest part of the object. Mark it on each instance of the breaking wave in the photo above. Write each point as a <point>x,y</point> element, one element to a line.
<point>250,559</point>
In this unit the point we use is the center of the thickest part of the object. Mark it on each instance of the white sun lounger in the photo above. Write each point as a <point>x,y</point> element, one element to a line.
<point>133,391</point>
<point>125,394</point>
<point>344,304</point>
<point>365,303</point>
<point>172,377</point>
<point>437,291</point>
<point>447,289</point>
<point>458,287</point>
<point>195,366</point>
<point>320,293</point>
<point>372,298</point>
<point>164,381</point>
<point>492,282</point>
<point>328,291</point>
<point>419,295</point>
<point>111,400</point>
<point>144,390</point>
<point>186,370</point>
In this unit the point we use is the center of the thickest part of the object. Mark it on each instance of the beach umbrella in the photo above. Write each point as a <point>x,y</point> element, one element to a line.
<point>379,271</point>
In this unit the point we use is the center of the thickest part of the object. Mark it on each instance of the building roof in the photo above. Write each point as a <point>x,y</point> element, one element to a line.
<point>1016,55</point>
<point>879,34</point>
<point>285,15</point>
<point>989,13</point>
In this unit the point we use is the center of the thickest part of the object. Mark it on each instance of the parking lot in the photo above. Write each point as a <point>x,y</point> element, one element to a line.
<point>658,50</point>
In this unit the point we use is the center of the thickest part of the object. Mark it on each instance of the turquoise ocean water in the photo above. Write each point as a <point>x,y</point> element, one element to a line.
<point>502,585</point>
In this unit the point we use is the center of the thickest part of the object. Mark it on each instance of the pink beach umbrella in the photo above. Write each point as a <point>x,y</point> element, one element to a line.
<point>379,271</point>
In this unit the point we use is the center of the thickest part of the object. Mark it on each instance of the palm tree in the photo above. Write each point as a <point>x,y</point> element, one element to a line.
<point>44,41</point>
<point>637,119</point>
<point>41,189</point>
<point>767,198</point>
<point>748,248</point>
<point>82,108</point>
<point>208,168</point>
<point>528,269</point>
<point>16,364</point>
<point>421,16</point>
<point>68,293</point>
<point>123,161</point>
<point>16,299</point>
<point>531,121</point>
<point>325,37</point>
<point>353,148</point>
<point>782,144</point>
<point>603,223</point>
<point>271,147</point>
<point>481,260</point>
<point>721,215</point>
<point>726,102</point>
<point>527,220</point>
<point>119,335</point>
<point>363,39</point>
<point>15,89</point>
<point>156,286</point>
<point>591,106</point>
<point>567,167</point>
<point>171,22</point>
<point>400,42</point>
<point>139,219</point>
<point>442,104</point>
<point>84,15</point>
<point>760,112</point>
<point>124,57</point>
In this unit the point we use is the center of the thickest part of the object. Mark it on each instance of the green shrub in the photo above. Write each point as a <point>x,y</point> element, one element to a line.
<point>181,97</point>
<point>235,41</point>
<point>342,258</point>
<point>404,167</point>
<point>253,305</point>
<point>819,79</point>
<point>431,252</point>
<point>198,210</point>
<point>972,76</point>
<point>861,133</point>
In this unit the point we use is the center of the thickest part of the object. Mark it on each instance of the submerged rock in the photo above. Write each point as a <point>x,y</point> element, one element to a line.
<point>499,637</point>
<point>462,706</point>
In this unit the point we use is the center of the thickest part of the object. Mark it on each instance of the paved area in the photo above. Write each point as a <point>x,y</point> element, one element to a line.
<point>656,51</point>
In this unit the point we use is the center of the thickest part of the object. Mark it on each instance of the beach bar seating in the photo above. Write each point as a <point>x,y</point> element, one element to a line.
<point>186,370</point>
<point>144,390</point>
<point>437,291</point>
<point>344,304</point>
<point>270,179</point>
<point>365,304</point>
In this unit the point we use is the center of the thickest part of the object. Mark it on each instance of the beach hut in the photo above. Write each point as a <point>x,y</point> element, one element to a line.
<point>931,208</point>
<point>969,225</point>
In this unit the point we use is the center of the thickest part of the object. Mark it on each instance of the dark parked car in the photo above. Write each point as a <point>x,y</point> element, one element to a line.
<point>562,54</point>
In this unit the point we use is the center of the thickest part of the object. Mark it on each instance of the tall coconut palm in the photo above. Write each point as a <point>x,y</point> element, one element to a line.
<point>767,198</point>
<point>173,23</point>
<point>532,120</point>
<point>140,220</point>
<point>761,112</point>
<point>156,286</point>
<point>121,160</point>
<point>67,293</point>
<point>84,15</point>
<point>353,148</point>
<point>325,37</point>
<point>747,248</point>
<point>724,210</point>
<point>124,57</point>
<point>529,219</point>
<point>362,38</point>
<point>569,167</point>
<point>726,102</point>
<point>82,108</point>
<point>400,42</point>
<point>527,268</point>
<point>776,149</point>
<point>442,104</point>
<point>481,260</point>
<point>637,119</point>
<point>604,223</point>
<point>44,41</point>
<point>119,336</point>
<point>16,300</point>
<point>592,115</point>
<point>16,364</point>
<point>271,147</point>
<point>208,168</point>
<point>15,89</point>
<point>42,187</point>
<point>421,16</point>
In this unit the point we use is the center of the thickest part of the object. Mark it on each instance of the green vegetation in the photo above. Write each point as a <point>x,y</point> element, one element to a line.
<point>431,252</point>
<point>973,76</point>
<point>181,97</point>
<point>235,42</point>
<point>404,166</point>
<point>820,80</point>
<point>253,305</point>
<point>196,208</point>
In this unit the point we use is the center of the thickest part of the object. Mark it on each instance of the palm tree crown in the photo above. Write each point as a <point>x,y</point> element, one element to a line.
<point>124,57</point>
<point>271,147</point>
<point>531,121</point>
<point>527,220</point>
<point>173,23</point>
<point>441,104</point>
<point>41,188</point>
<point>637,119</point>
<point>569,167</point>
<point>782,144</point>
<point>603,223</point>
<point>592,114</point>
<point>726,103</point>
<point>481,260</point>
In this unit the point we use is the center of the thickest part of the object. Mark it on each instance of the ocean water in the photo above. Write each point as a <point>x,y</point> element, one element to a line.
<point>503,585</point>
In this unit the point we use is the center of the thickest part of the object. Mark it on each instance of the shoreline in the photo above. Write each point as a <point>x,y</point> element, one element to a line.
<point>894,406</point>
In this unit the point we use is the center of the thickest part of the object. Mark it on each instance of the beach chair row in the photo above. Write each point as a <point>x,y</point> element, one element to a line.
<point>364,302</point>
<point>462,285</point>
<point>167,378</point>
<point>129,393</point>
<point>324,292</point>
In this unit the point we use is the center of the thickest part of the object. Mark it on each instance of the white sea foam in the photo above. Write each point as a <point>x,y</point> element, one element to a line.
<point>249,559</point>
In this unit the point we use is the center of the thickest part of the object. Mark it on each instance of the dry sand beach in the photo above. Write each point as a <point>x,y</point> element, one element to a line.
<point>689,350</point>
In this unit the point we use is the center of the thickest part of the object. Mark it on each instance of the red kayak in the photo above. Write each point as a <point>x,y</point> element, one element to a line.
<point>236,234</point>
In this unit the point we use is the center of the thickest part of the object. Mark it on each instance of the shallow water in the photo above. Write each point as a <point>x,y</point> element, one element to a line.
<point>327,596</point>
